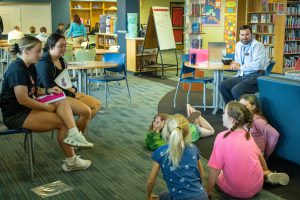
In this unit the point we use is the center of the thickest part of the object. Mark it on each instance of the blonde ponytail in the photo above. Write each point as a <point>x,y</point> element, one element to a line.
<point>176,146</point>
<point>177,128</point>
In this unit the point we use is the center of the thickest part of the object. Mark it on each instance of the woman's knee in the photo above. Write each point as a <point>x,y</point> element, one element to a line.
<point>85,112</point>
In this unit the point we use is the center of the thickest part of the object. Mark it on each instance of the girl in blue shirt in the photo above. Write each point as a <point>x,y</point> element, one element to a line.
<point>77,31</point>
<point>179,161</point>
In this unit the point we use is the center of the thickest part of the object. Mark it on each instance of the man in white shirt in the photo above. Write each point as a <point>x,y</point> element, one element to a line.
<point>15,34</point>
<point>251,59</point>
<point>43,35</point>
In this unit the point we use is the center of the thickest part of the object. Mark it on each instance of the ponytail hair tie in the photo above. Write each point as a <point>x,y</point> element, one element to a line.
<point>16,47</point>
<point>178,127</point>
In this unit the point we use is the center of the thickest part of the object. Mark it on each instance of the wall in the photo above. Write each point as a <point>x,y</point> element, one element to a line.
<point>147,4</point>
<point>212,33</point>
<point>60,10</point>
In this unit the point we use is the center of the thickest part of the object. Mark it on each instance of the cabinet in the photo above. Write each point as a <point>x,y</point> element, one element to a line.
<point>105,40</point>
<point>90,11</point>
<point>194,10</point>
<point>134,47</point>
<point>292,35</point>
<point>267,22</point>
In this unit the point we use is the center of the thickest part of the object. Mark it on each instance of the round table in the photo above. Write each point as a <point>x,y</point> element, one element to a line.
<point>86,65</point>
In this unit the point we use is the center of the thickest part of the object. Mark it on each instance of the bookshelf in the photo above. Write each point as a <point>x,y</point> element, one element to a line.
<point>194,11</point>
<point>105,40</point>
<point>267,22</point>
<point>90,11</point>
<point>292,35</point>
<point>134,47</point>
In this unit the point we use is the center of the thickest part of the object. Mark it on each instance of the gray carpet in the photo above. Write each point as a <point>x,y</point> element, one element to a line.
<point>120,164</point>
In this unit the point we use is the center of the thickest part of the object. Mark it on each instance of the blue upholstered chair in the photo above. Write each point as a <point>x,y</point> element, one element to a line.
<point>191,79</point>
<point>269,69</point>
<point>28,142</point>
<point>112,74</point>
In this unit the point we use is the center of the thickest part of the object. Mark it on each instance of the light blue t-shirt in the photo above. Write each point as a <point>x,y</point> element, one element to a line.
<point>184,181</point>
<point>76,30</point>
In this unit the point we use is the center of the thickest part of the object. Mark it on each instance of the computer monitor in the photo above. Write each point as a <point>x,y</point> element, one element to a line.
<point>216,51</point>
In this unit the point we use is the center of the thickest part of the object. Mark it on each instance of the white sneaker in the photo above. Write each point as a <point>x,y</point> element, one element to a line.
<point>278,178</point>
<point>77,140</point>
<point>79,164</point>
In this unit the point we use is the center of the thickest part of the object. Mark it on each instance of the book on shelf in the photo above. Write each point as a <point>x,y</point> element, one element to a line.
<point>196,43</point>
<point>50,98</point>
<point>254,28</point>
<point>197,9</point>
<point>196,27</point>
<point>254,18</point>
<point>263,18</point>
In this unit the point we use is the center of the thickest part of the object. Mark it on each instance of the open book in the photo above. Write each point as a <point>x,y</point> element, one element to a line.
<point>50,98</point>
<point>63,80</point>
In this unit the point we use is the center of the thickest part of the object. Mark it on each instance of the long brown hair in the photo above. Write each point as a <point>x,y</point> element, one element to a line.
<point>241,116</point>
<point>253,100</point>
<point>76,19</point>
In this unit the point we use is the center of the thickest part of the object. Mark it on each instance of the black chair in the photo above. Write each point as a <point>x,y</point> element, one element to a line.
<point>191,79</point>
<point>28,142</point>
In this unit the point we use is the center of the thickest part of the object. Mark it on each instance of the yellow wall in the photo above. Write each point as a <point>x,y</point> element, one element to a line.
<point>146,5</point>
<point>212,33</point>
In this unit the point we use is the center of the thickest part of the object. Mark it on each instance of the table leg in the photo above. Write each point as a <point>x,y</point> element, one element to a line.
<point>80,80</point>
<point>216,91</point>
<point>85,81</point>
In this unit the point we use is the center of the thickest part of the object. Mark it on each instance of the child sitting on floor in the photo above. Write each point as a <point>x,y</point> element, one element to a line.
<point>236,163</point>
<point>265,136</point>
<point>179,161</point>
<point>157,133</point>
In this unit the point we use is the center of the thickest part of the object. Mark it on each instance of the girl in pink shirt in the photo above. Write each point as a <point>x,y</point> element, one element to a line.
<point>236,163</point>
<point>265,136</point>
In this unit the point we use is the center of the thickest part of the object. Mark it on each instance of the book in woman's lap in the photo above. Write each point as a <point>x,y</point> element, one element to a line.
<point>63,80</point>
<point>50,98</point>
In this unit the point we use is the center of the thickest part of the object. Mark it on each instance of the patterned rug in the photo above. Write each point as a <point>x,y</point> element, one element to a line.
<point>120,163</point>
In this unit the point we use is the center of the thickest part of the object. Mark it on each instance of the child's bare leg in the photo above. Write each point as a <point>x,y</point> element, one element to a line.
<point>204,126</point>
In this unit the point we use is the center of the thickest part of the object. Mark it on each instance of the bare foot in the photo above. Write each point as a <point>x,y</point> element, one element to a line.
<point>194,116</point>
<point>192,110</point>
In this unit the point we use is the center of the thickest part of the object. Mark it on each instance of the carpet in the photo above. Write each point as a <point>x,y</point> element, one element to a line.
<point>205,144</point>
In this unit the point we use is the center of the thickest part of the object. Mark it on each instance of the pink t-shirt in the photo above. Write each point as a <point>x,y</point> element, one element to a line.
<point>242,174</point>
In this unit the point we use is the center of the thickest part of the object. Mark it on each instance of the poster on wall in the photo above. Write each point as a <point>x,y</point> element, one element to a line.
<point>230,25</point>
<point>212,12</point>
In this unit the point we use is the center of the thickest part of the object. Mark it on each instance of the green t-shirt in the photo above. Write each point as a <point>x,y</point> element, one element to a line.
<point>153,139</point>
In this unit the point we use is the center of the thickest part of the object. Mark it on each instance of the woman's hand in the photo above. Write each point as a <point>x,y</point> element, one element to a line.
<point>51,108</point>
<point>72,90</point>
<point>55,89</point>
